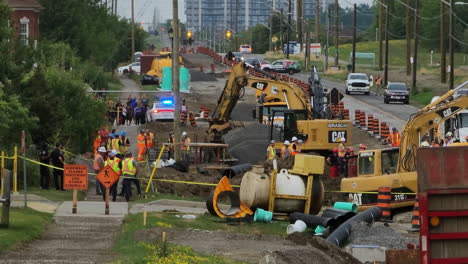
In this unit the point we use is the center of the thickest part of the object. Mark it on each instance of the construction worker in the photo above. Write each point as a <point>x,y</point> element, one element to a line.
<point>351,162</point>
<point>394,138</point>
<point>124,142</point>
<point>185,145</point>
<point>97,143</point>
<point>114,162</point>
<point>449,139</point>
<point>98,165</point>
<point>341,155</point>
<point>271,152</point>
<point>378,84</point>
<point>362,147</point>
<point>149,139</point>
<point>109,142</point>
<point>294,150</point>
<point>285,151</point>
<point>58,160</point>
<point>333,163</point>
<point>115,141</point>
<point>434,144</point>
<point>129,171</point>
<point>293,144</point>
<point>170,148</point>
<point>141,146</point>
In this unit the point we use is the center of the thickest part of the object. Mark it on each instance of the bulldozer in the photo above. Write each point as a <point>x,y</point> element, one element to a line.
<point>396,167</point>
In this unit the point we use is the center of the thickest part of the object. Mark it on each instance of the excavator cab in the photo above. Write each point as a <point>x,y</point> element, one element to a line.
<point>377,162</point>
<point>289,128</point>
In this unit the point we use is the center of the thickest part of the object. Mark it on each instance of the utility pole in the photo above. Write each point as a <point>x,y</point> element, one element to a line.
<point>328,38</point>
<point>282,29</point>
<point>133,29</point>
<point>381,37</point>
<point>299,21</point>
<point>271,29</point>
<point>112,6</point>
<point>317,21</point>
<point>443,52</point>
<point>451,49</point>
<point>175,77</point>
<point>415,55</point>
<point>386,48</point>
<point>307,47</point>
<point>235,18</point>
<point>353,68</point>
<point>336,34</point>
<point>289,30</point>
<point>408,39</point>
<point>115,7</point>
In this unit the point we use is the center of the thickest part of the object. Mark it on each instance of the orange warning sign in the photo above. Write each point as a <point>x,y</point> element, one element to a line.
<point>107,176</point>
<point>75,176</point>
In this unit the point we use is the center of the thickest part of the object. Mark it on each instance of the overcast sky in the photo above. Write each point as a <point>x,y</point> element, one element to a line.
<point>144,8</point>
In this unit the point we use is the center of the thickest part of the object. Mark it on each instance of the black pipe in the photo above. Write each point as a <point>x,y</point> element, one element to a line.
<point>339,215</point>
<point>340,235</point>
<point>236,170</point>
<point>234,200</point>
<point>312,221</point>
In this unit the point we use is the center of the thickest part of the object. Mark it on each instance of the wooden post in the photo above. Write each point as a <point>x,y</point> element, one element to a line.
<point>144,217</point>
<point>75,201</point>
<point>107,201</point>
<point>15,171</point>
<point>2,174</point>
<point>5,221</point>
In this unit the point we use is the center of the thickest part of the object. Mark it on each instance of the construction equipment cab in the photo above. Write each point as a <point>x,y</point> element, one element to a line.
<point>317,135</point>
<point>396,167</point>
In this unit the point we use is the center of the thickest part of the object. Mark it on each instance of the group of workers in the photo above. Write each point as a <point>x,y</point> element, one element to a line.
<point>133,110</point>
<point>288,149</point>
<point>145,141</point>
<point>342,161</point>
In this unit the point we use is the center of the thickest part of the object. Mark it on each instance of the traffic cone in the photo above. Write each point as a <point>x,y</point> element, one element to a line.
<point>183,118</point>
<point>192,120</point>
<point>383,202</point>
<point>415,217</point>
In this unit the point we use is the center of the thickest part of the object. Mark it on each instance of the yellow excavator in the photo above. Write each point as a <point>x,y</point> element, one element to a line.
<point>317,135</point>
<point>396,167</point>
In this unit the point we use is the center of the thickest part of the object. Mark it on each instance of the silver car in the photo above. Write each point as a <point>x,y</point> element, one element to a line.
<point>162,110</point>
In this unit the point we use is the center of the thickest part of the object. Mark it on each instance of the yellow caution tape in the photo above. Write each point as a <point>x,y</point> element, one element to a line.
<point>6,157</point>
<point>368,192</point>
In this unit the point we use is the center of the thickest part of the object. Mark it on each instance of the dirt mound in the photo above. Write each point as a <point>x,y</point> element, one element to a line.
<point>198,76</point>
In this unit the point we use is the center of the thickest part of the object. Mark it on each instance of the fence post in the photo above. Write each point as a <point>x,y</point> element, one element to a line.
<point>2,173</point>
<point>5,221</point>
<point>15,171</point>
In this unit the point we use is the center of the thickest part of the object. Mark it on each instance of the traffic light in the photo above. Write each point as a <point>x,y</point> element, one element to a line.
<point>228,34</point>
<point>189,34</point>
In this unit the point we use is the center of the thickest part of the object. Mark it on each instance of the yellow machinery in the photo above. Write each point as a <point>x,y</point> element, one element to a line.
<point>164,60</point>
<point>396,167</point>
<point>318,135</point>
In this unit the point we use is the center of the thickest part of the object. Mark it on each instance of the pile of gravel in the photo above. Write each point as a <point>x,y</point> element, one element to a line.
<point>379,234</point>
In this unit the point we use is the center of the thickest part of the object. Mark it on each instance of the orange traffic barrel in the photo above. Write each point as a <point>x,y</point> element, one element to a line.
<point>206,113</point>
<point>192,120</point>
<point>346,114</point>
<point>183,118</point>
<point>362,119</point>
<point>376,129</point>
<point>370,123</point>
<point>415,216</point>
<point>384,130</point>
<point>333,109</point>
<point>383,202</point>
<point>340,107</point>
<point>202,108</point>
<point>357,115</point>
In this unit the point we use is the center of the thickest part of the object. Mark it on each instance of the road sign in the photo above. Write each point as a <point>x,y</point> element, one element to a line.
<point>335,96</point>
<point>75,176</point>
<point>274,39</point>
<point>107,176</point>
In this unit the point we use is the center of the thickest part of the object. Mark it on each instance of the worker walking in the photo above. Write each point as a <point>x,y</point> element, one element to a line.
<point>394,138</point>
<point>271,152</point>
<point>333,163</point>
<point>341,156</point>
<point>98,165</point>
<point>141,146</point>
<point>114,162</point>
<point>129,172</point>
<point>378,84</point>
<point>285,151</point>
<point>185,146</point>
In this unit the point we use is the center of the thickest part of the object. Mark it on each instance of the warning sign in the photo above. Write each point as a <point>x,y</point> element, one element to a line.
<point>107,176</point>
<point>75,176</point>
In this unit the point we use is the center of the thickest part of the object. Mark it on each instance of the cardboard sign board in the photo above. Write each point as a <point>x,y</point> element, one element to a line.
<point>107,176</point>
<point>75,177</point>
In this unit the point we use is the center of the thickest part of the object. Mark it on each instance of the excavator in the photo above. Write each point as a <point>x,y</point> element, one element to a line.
<point>396,167</point>
<point>317,135</point>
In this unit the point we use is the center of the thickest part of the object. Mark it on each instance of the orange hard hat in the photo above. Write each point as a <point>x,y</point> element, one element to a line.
<point>362,146</point>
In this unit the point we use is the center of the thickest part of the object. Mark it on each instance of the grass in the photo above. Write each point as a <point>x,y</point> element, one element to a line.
<point>130,251</point>
<point>25,225</point>
<point>422,98</point>
<point>169,196</point>
<point>54,195</point>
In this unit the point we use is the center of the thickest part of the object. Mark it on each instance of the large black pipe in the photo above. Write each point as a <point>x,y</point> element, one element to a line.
<point>341,234</point>
<point>339,215</point>
<point>236,170</point>
<point>312,221</point>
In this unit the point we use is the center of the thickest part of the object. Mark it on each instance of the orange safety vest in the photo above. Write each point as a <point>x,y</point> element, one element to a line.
<point>186,146</point>
<point>149,140</point>
<point>96,165</point>
<point>140,140</point>
<point>97,143</point>
<point>114,164</point>
<point>271,153</point>
<point>283,151</point>
<point>395,139</point>
<point>291,147</point>
<point>115,144</point>
<point>341,151</point>
<point>128,168</point>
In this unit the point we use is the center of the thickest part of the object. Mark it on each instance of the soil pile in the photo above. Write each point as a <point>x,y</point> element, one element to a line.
<point>379,234</point>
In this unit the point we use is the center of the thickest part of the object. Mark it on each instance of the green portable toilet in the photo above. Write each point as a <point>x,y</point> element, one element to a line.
<point>184,79</point>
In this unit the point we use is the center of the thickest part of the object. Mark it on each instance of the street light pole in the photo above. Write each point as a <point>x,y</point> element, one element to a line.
<point>289,30</point>
<point>386,48</point>
<point>175,77</point>
<point>452,64</point>
<point>271,28</point>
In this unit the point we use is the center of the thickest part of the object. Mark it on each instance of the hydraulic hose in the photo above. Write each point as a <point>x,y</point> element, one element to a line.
<point>341,234</point>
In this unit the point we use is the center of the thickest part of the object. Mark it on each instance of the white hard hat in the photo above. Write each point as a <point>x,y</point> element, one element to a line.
<point>102,149</point>
<point>272,142</point>
<point>343,139</point>
<point>425,144</point>
<point>294,139</point>
<point>184,133</point>
<point>449,134</point>
<point>287,143</point>
<point>114,152</point>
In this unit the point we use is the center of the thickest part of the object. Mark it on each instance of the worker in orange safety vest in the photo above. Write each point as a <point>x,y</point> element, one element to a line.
<point>149,139</point>
<point>141,146</point>
<point>341,156</point>
<point>185,145</point>
<point>96,143</point>
<point>394,138</point>
<point>271,152</point>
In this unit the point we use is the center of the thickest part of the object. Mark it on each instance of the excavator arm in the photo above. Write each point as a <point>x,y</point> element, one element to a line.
<point>429,117</point>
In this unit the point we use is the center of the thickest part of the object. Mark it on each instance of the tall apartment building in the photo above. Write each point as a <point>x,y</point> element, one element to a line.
<point>223,14</point>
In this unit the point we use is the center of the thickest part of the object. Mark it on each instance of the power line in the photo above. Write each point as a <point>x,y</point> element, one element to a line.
<point>428,39</point>
<point>459,41</point>
<point>395,35</point>
<point>461,20</point>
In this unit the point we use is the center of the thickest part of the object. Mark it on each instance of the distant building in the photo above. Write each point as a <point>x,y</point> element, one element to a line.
<point>24,20</point>
<point>223,14</point>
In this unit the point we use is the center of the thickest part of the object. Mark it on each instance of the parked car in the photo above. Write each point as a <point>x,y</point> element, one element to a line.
<point>133,67</point>
<point>283,66</point>
<point>163,109</point>
<point>149,79</point>
<point>254,62</point>
<point>357,82</point>
<point>396,92</point>
<point>245,48</point>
